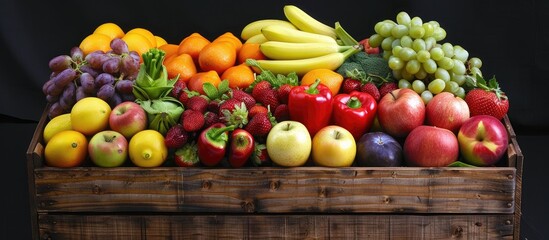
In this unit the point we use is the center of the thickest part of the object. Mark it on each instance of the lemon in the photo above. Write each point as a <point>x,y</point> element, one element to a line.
<point>65,149</point>
<point>55,125</point>
<point>147,148</point>
<point>94,42</point>
<point>90,115</point>
<point>110,29</point>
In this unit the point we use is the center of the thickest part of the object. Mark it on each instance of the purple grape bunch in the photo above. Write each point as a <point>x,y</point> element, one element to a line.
<point>106,75</point>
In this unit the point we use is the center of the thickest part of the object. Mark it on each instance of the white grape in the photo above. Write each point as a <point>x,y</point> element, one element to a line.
<point>436,53</point>
<point>403,18</point>
<point>406,41</point>
<point>459,67</point>
<point>416,32</point>
<point>436,86</point>
<point>448,50</point>
<point>426,96</point>
<point>387,43</point>
<point>429,29</point>
<point>399,31</point>
<point>423,55</point>
<point>413,66</point>
<point>418,44</point>
<point>475,62</point>
<point>443,74</point>
<point>395,63</point>
<point>375,40</point>
<point>403,83</point>
<point>418,86</point>
<point>430,66</point>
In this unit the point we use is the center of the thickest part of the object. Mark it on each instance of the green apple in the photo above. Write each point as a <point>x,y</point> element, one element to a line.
<point>108,149</point>
<point>289,144</point>
<point>334,146</point>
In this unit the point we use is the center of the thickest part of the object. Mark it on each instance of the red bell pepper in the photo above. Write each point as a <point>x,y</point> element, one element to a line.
<point>311,105</point>
<point>354,111</point>
<point>212,144</point>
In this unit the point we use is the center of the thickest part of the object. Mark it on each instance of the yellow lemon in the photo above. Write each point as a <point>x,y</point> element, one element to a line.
<point>147,149</point>
<point>160,41</point>
<point>94,42</point>
<point>137,42</point>
<point>55,125</point>
<point>66,149</point>
<point>90,115</point>
<point>146,33</point>
<point>110,29</point>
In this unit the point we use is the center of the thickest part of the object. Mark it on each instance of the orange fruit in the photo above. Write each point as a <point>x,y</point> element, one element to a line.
<point>66,149</point>
<point>239,76</point>
<point>197,81</point>
<point>146,33</point>
<point>160,41</point>
<point>249,50</point>
<point>192,45</point>
<point>137,42</point>
<point>328,77</point>
<point>110,29</point>
<point>217,56</point>
<point>230,37</point>
<point>94,42</point>
<point>169,49</point>
<point>181,65</point>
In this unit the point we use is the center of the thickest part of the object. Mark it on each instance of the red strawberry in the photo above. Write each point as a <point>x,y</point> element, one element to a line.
<point>256,109</point>
<point>197,103</point>
<point>192,120</point>
<point>282,113</point>
<point>260,157</point>
<point>176,136</point>
<point>283,92</point>
<point>259,88</point>
<point>387,88</point>
<point>487,99</point>
<point>350,85</point>
<point>371,88</point>
<point>210,118</point>
<point>238,117</point>
<point>187,155</point>
<point>245,97</point>
<point>260,125</point>
<point>185,95</point>
<point>228,105</point>
<point>178,88</point>
<point>268,97</point>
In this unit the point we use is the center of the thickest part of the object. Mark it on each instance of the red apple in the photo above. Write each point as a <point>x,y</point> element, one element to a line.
<point>108,149</point>
<point>446,111</point>
<point>483,140</point>
<point>429,146</point>
<point>400,111</point>
<point>128,118</point>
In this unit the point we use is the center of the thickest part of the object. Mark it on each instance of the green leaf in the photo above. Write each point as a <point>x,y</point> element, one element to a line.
<point>223,86</point>
<point>210,90</point>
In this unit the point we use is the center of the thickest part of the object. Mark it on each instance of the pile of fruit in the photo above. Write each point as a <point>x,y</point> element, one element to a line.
<point>292,92</point>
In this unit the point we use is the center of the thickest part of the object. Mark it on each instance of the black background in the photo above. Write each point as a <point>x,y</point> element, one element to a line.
<point>511,38</point>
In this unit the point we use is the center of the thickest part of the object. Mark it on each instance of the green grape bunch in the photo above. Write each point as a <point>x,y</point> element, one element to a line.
<point>420,60</point>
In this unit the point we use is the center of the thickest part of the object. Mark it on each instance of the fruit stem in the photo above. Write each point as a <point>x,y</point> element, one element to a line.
<point>354,103</point>
<point>313,87</point>
<point>146,154</point>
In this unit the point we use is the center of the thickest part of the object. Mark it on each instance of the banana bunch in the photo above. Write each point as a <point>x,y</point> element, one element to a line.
<point>300,43</point>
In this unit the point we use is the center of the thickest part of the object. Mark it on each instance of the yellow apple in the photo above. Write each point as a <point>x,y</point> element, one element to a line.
<point>334,146</point>
<point>289,144</point>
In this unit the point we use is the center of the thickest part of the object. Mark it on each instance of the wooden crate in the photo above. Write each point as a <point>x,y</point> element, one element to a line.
<point>275,203</point>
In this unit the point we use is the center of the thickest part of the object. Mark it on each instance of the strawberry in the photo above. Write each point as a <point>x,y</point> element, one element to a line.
<point>197,103</point>
<point>259,88</point>
<point>185,95</point>
<point>283,92</point>
<point>256,109</point>
<point>260,125</point>
<point>371,89</point>
<point>268,97</point>
<point>350,85</point>
<point>176,136</point>
<point>487,99</point>
<point>260,157</point>
<point>228,105</point>
<point>245,97</point>
<point>178,88</point>
<point>387,88</point>
<point>282,113</point>
<point>238,117</point>
<point>213,105</point>
<point>210,118</point>
<point>192,120</point>
<point>187,155</point>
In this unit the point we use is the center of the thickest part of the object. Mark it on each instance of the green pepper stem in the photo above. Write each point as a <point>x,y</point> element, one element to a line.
<point>214,133</point>
<point>354,103</point>
<point>313,87</point>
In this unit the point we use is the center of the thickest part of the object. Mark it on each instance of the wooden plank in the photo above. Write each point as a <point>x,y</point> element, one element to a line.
<point>295,226</point>
<point>277,190</point>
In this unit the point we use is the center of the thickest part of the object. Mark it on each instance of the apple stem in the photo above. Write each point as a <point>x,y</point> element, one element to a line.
<point>392,94</point>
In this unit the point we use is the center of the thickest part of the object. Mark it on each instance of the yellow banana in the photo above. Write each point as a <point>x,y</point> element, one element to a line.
<point>288,50</point>
<point>284,34</point>
<point>255,27</point>
<point>305,22</point>
<point>301,66</point>
<point>258,38</point>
